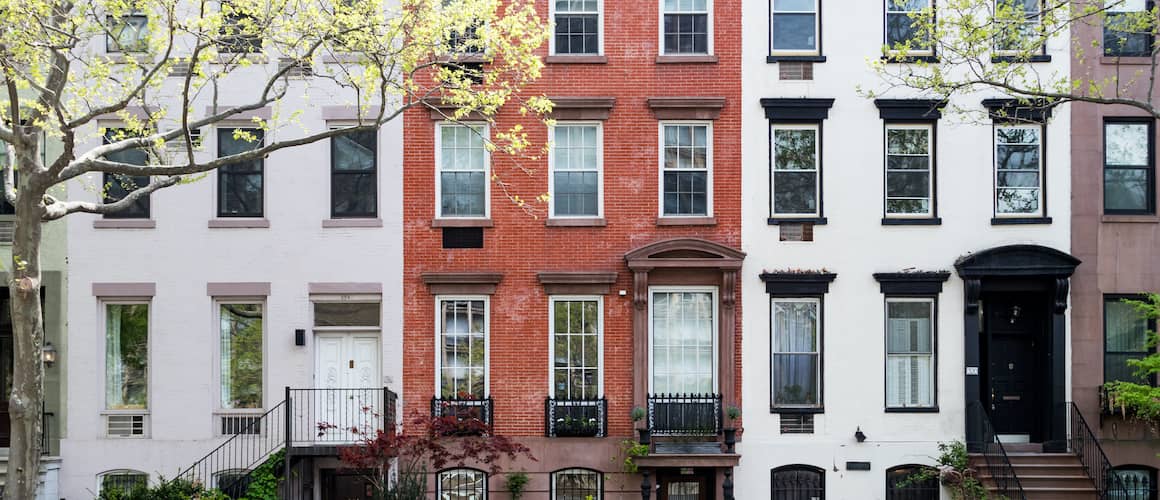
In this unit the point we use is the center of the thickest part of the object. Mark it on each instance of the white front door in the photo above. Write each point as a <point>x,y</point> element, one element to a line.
<point>348,395</point>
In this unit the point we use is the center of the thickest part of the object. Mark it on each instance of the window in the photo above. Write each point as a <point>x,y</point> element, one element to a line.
<point>576,348</point>
<point>127,33</point>
<point>910,353</point>
<point>463,165</point>
<point>1127,28</point>
<point>798,482</point>
<point>683,341</point>
<point>577,27</point>
<point>1138,480</point>
<point>795,181</point>
<point>1129,172</point>
<point>126,356</point>
<point>794,24</point>
<point>901,483</point>
<point>904,26</point>
<point>685,27</point>
<point>117,186</point>
<point>240,354</point>
<point>239,30</point>
<point>686,161</point>
<point>577,484</point>
<point>241,185</point>
<point>1020,21</point>
<point>353,175</point>
<point>1018,170</point>
<point>576,171</point>
<point>909,171</point>
<point>123,481</point>
<point>462,358</point>
<point>1125,338</point>
<point>796,369</point>
<point>462,484</point>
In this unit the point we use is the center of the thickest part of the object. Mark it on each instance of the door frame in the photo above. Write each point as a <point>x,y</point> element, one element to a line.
<point>351,334</point>
<point>1039,374</point>
<point>706,477</point>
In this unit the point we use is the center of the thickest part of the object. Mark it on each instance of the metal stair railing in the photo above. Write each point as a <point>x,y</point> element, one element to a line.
<point>994,454</point>
<point>1082,441</point>
<point>228,466</point>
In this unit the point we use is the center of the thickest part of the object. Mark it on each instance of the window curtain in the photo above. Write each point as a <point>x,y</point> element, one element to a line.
<point>795,358</point>
<point>683,343</point>
<point>909,355</point>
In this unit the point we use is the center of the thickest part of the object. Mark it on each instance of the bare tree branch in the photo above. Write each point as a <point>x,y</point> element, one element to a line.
<point>54,209</point>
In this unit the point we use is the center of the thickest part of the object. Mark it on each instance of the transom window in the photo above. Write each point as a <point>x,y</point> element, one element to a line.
<point>909,171</point>
<point>683,341</point>
<point>241,185</point>
<point>463,166</point>
<point>1018,170</point>
<point>576,170</point>
<point>795,181</point>
<point>240,353</point>
<point>903,30</point>
<point>575,348</point>
<point>577,27</point>
<point>577,484</point>
<point>796,345</point>
<point>1125,338</point>
<point>462,484</point>
<point>909,353</point>
<point>462,357</point>
<point>1020,22</point>
<point>1126,30</point>
<point>117,186</point>
<point>127,33</point>
<point>686,161</point>
<point>1129,172</point>
<point>902,483</point>
<point>685,26</point>
<point>798,482</point>
<point>353,175</point>
<point>794,24</point>
<point>126,356</point>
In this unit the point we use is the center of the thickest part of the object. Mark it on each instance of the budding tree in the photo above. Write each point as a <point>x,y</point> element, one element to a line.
<point>162,70</point>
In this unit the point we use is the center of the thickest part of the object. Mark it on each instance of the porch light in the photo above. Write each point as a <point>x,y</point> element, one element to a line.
<point>48,354</point>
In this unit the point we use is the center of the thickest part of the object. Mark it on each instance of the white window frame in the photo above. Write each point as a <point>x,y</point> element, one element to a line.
<point>599,29</point>
<point>933,352</point>
<point>439,299</point>
<point>552,300</point>
<point>143,36</point>
<point>102,361</point>
<point>886,27</point>
<point>599,170</point>
<point>485,132</point>
<point>439,480</point>
<point>817,128</point>
<point>661,167</point>
<point>820,325</point>
<point>817,50</point>
<point>1038,20</point>
<point>715,334</point>
<point>709,46</point>
<point>1042,132</point>
<point>599,480</point>
<point>930,148</point>
<point>217,359</point>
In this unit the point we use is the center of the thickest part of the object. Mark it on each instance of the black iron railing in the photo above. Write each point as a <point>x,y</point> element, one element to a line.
<point>334,417</point>
<point>982,439</point>
<point>1082,441</point>
<point>227,466</point>
<point>576,417</point>
<point>46,432</point>
<point>463,409</point>
<point>684,414</point>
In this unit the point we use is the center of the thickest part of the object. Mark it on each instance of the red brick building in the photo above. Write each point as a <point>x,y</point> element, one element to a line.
<point>623,291</point>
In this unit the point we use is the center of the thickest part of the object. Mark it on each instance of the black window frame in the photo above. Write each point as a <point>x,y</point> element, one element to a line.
<point>791,111</point>
<point>142,208</point>
<point>708,15</point>
<point>773,214</point>
<point>912,285</point>
<point>799,285</point>
<point>335,173</point>
<point>929,490</point>
<point>1152,473</point>
<point>1150,39</point>
<point>122,478</point>
<point>556,15</point>
<point>798,468</point>
<point>230,42</point>
<point>1150,169</point>
<point>599,481</point>
<point>226,171</point>
<point>1002,55</point>
<point>1149,326</point>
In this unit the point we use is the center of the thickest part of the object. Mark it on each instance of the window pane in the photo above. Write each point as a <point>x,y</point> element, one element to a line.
<point>795,149</point>
<point>462,484</point>
<point>683,340</point>
<point>1126,329</point>
<point>576,353</point>
<point>795,353</point>
<point>240,185</point>
<point>1139,481</point>
<point>354,194</point>
<point>795,192</point>
<point>686,193</point>
<point>795,326</point>
<point>794,31</point>
<point>1126,144</point>
<point>346,314</point>
<point>127,33</point>
<point>577,34</point>
<point>793,5</point>
<point>463,348</point>
<point>241,356</point>
<point>122,482</point>
<point>576,484</point>
<point>908,327</point>
<point>1124,34</point>
<point>910,354</point>
<point>686,33</point>
<point>463,180</point>
<point>464,194</point>
<point>576,164</point>
<point>795,379</point>
<point>1126,189</point>
<point>126,356</point>
<point>117,186</point>
<point>1017,201</point>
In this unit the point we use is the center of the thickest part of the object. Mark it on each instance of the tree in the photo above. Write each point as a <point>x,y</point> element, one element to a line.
<point>166,69</point>
<point>1140,400</point>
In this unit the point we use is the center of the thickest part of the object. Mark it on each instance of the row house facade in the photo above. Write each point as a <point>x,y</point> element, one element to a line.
<point>617,307</point>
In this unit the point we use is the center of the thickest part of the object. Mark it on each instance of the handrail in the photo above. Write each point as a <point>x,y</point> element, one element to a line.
<point>251,443</point>
<point>684,414</point>
<point>994,454</point>
<point>1082,441</point>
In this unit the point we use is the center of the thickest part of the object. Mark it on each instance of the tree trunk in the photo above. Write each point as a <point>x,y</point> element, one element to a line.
<point>27,398</point>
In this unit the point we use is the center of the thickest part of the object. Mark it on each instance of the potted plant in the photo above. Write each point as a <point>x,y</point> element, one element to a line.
<point>733,413</point>
<point>638,415</point>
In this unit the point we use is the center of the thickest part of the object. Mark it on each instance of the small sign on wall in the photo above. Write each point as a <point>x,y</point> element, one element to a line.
<point>857,465</point>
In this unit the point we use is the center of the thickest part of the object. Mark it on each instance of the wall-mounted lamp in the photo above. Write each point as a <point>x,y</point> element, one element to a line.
<point>859,435</point>
<point>299,337</point>
<point>48,354</point>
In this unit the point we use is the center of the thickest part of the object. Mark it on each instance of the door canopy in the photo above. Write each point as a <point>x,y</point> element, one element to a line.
<point>1017,260</point>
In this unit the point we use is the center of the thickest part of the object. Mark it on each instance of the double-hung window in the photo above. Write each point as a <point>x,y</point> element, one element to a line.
<point>461,360</point>
<point>686,169</point>
<point>684,346</point>
<point>1129,167</point>
<point>240,355</point>
<point>1125,338</point>
<point>796,349</point>
<point>795,28</point>
<point>1127,28</point>
<point>909,171</point>
<point>794,182</point>
<point>1019,24</point>
<point>127,33</point>
<point>685,27</point>
<point>910,360</point>
<point>462,167</point>
<point>1019,171</point>
<point>117,186</point>
<point>575,348</point>
<point>353,175</point>
<point>241,185</point>
<point>907,27</point>
<point>578,25</point>
<point>576,178</point>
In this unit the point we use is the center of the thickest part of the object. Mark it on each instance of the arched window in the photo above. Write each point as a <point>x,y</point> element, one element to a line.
<point>912,482</point>
<point>462,484</point>
<point>122,480</point>
<point>233,482</point>
<point>798,482</point>
<point>577,484</point>
<point>1138,480</point>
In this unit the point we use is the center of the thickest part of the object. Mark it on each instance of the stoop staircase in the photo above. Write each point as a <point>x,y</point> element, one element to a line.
<point>1043,476</point>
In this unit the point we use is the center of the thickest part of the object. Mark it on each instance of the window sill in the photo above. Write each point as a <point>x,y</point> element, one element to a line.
<point>124,224</point>
<point>338,223</point>
<point>238,223</point>
<point>1019,221</point>
<point>576,59</point>
<point>817,221</point>
<point>237,57</point>
<point>576,222</point>
<point>797,411</point>
<point>933,409</point>
<point>1126,60</point>
<point>894,59</point>
<point>689,59</point>
<point>343,58</point>
<point>777,59</point>
<point>686,221</point>
<point>481,222</point>
<point>129,58</point>
<point>1125,218</point>
<point>927,221</point>
<point>1038,58</point>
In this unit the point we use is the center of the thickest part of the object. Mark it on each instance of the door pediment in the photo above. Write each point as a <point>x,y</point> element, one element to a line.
<point>1017,260</point>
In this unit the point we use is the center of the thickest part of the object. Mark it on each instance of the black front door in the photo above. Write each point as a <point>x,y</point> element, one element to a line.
<point>345,485</point>
<point>1014,328</point>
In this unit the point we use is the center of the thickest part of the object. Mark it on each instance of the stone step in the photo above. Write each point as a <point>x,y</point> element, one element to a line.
<point>1047,480</point>
<point>1042,458</point>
